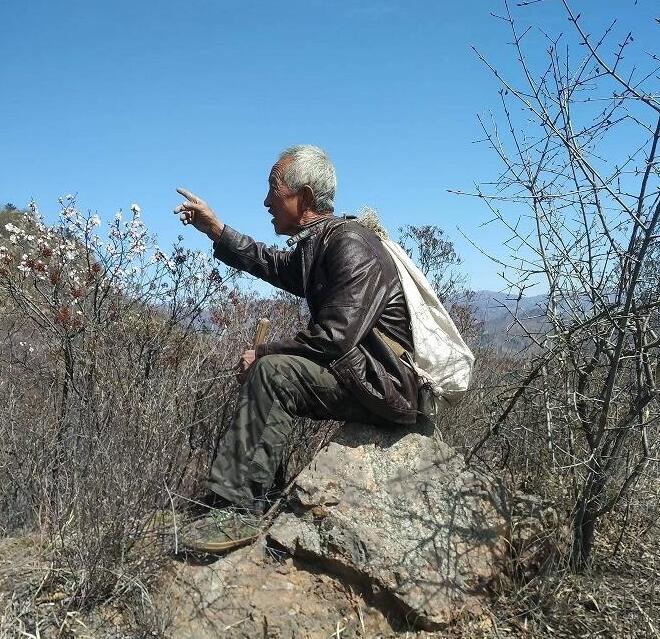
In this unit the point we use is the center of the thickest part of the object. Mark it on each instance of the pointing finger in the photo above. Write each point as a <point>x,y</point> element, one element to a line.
<point>189,195</point>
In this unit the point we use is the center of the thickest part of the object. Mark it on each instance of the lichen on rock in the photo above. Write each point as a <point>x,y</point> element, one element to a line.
<point>400,514</point>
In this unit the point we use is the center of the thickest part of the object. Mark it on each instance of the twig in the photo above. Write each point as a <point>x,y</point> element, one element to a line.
<point>233,625</point>
<point>646,617</point>
<point>338,630</point>
<point>176,536</point>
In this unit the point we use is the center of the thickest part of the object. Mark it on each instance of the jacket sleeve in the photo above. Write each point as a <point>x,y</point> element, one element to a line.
<point>282,269</point>
<point>354,299</point>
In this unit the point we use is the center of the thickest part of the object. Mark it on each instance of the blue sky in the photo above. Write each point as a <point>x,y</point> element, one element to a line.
<point>123,101</point>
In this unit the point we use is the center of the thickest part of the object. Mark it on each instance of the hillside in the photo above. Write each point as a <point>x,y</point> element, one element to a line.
<point>502,315</point>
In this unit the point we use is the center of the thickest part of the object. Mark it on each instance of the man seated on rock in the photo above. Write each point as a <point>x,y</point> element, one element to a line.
<point>347,365</point>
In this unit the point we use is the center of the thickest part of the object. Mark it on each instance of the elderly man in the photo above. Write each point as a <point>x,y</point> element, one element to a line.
<point>347,364</point>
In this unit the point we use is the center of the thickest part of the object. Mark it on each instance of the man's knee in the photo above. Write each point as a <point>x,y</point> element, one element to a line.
<point>271,372</point>
<point>284,376</point>
<point>267,367</point>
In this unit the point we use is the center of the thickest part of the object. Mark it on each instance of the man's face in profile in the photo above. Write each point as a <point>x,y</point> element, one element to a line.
<point>282,203</point>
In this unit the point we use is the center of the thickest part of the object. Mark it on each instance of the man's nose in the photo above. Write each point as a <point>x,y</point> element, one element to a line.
<point>267,200</point>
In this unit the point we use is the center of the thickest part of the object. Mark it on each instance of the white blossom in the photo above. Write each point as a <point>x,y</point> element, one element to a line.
<point>135,208</point>
<point>139,248</point>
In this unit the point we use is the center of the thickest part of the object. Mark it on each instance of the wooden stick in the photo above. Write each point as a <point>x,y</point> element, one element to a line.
<point>263,326</point>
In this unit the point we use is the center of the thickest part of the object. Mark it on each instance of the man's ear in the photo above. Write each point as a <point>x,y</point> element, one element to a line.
<point>307,198</point>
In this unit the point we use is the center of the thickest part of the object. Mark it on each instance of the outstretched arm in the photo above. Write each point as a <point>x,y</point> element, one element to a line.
<point>279,268</point>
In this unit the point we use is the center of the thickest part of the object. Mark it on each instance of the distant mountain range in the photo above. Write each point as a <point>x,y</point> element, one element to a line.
<point>497,312</point>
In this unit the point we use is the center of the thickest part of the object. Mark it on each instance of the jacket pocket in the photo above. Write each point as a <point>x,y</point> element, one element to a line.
<point>368,380</point>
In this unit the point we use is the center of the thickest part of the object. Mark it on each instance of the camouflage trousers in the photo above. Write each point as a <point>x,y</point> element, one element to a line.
<point>278,389</point>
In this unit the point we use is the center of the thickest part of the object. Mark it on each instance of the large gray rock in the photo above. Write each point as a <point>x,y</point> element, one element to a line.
<point>398,513</point>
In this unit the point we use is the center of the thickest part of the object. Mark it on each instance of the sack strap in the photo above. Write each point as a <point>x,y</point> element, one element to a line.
<point>399,350</point>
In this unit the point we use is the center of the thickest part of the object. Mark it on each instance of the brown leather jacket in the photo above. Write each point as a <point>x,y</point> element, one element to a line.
<point>351,286</point>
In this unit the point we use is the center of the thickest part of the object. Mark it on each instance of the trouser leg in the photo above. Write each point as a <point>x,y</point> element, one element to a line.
<point>279,388</point>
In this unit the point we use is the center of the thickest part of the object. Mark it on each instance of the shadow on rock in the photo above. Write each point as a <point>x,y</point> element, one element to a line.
<point>399,514</point>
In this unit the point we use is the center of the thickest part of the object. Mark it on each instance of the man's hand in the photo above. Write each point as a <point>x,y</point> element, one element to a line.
<point>198,213</point>
<point>247,359</point>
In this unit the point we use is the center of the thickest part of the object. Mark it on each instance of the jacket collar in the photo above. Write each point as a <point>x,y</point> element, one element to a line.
<point>309,229</point>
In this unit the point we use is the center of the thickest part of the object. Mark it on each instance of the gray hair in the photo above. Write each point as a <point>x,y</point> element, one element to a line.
<point>310,165</point>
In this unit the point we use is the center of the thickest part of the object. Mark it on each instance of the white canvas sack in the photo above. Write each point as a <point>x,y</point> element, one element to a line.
<point>441,359</point>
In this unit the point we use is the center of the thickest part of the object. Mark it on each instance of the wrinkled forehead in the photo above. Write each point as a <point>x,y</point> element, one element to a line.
<point>277,172</point>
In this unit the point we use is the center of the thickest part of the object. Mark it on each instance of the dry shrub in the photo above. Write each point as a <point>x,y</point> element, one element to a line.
<point>118,380</point>
<point>117,369</point>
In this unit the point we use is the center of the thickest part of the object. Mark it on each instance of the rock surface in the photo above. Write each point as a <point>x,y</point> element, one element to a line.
<point>249,594</point>
<point>384,532</point>
<point>397,513</point>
